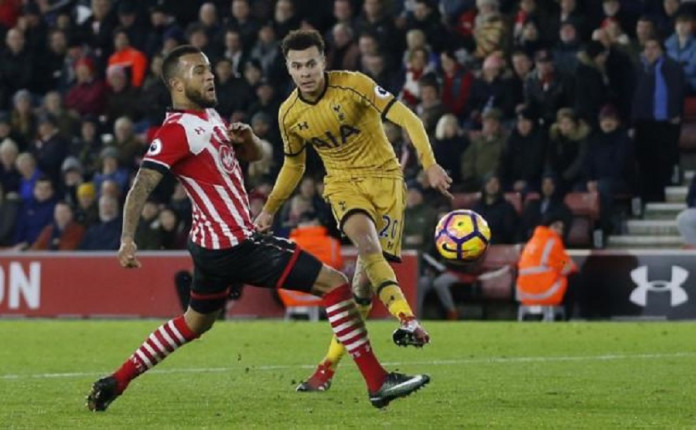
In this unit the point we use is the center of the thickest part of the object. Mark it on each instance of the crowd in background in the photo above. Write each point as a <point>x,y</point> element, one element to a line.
<point>530,96</point>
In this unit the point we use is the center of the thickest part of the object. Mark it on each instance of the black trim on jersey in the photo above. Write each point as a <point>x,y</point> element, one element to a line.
<point>323,91</point>
<point>391,257</point>
<point>351,212</point>
<point>384,285</point>
<point>358,93</point>
<point>147,164</point>
<point>386,109</point>
<point>295,154</point>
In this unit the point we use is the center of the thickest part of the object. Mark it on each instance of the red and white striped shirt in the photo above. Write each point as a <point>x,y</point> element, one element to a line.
<point>193,145</point>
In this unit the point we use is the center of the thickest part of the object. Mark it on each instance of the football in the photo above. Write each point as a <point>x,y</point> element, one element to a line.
<point>462,235</point>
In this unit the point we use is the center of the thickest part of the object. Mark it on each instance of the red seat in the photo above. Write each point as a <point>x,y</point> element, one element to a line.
<point>465,200</point>
<point>689,109</point>
<point>515,199</point>
<point>580,233</point>
<point>583,204</point>
<point>498,256</point>
<point>500,285</point>
<point>687,138</point>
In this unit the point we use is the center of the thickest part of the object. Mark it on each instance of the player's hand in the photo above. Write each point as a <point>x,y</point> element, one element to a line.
<point>439,179</point>
<point>263,221</point>
<point>126,254</point>
<point>239,133</point>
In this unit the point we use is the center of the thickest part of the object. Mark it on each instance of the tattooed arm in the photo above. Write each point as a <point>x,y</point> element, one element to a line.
<point>145,182</point>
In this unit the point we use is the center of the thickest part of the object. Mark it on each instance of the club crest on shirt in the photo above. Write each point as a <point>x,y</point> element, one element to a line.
<point>155,147</point>
<point>381,92</point>
<point>227,160</point>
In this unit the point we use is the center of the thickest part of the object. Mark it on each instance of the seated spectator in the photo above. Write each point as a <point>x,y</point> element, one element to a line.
<point>16,65</point>
<point>419,219</point>
<point>522,159</point>
<point>154,95</point>
<point>172,233</point>
<point>426,17</point>
<point>681,46</point>
<point>482,157</point>
<point>430,107</point>
<point>490,90</point>
<point>550,202</point>
<point>546,90</point>
<point>530,40</point>
<point>416,68</point>
<point>591,82</point>
<point>686,220</point>
<point>567,148</point>
<point>456,83</point>
<point>89,93</point>
<point>35,214</point>
<point>128,58</point>
<point>72,178</point>
<point>291,213</point>
<point>266,50</point>
<point>23,117</point>
<point>10,205</point>
<point>129,147</point>
<point>343,52</point>
<point>26,166</point>
<point>375,66</point>
<point>544,266</point>
<point>122,98</point>
<point>65,121</point>
<point>490,29</point>
<point>522,68</point>
<point>9,175</point>
<point>104,235</point>
<point>63,234</point>
<point>620,72</point>
<point>86,212</point>
<point>609,165</point>
<point>110,169</point>
<point>110,188</point>
<point>181,204</point>
<point>498,212</point>
<point>449,145</point>
<point>147,234</point>
<point>50,148</point>
<point>234,94</point>
<point>87,146</point>
<point>565,52</point>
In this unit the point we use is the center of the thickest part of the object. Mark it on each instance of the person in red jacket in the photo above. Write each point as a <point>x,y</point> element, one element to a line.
<point>315,239</point>
<point>63,234</point>
<point>88,95</point>
<point>544,266</point>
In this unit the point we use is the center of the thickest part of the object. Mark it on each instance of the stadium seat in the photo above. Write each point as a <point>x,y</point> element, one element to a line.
<point>687,138</point>
<point>500,272</point>
<point>465,200</point>
<point>515,199</point>
<point>585,209</point>
<point>689,109</point>
<point>298,303</point>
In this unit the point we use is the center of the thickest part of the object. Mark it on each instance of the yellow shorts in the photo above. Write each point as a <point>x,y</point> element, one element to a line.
<point>382,199</point>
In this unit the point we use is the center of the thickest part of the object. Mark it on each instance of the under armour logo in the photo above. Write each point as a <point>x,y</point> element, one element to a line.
<point>639,296</point>
<point>303,125</point>
<point>342,204</point>
<point>199,130</point>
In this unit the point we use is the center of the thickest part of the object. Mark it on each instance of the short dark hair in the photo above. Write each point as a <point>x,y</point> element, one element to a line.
<point>170,63</point>
<point>298,40</point>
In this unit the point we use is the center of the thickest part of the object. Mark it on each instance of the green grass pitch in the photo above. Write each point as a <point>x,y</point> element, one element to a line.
<point>243,374</point>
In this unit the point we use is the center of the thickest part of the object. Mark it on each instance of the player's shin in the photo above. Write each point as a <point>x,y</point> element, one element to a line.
<point>382,276</point>
<point>349,329</point>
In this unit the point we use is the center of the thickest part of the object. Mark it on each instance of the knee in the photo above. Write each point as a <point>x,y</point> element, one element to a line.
<point>329,279</point>
<point>200,323</point>
<point>367,244</point>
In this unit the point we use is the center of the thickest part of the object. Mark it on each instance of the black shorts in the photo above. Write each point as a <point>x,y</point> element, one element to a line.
<point>261,260</point>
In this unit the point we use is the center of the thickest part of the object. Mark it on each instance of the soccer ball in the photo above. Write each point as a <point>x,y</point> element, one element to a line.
<point>462,235</point>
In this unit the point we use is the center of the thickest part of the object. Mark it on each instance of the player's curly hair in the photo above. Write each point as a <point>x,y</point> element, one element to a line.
<point>298,40</point>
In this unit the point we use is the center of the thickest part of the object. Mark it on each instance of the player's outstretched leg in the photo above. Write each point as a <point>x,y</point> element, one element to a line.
<point>349,328</point>
<point>166,339</point>
<point>362,232</point>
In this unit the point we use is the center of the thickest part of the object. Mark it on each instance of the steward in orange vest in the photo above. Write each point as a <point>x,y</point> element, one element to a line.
<point>544,266</point>
<point>315,239</point>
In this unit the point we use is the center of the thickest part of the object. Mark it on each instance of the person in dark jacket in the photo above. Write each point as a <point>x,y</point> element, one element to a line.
<point>16,66</point>
<point>35,214</point>
<point>609,164</point>
<point>498,212</point>
<point>567,148</point>
<point>591,83</point>
<point>547,90</point>
<point>551,202</point>
<point>106,234</point>
<point>50,149</point>
<point>657,110</point>
<point>523,155</point>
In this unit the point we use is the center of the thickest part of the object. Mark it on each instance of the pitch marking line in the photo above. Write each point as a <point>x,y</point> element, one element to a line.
<point>487,360</point>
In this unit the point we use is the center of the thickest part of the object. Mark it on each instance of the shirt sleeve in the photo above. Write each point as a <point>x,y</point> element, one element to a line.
<point>167,148</point>
<point>374,95</point>
<point>292,143</point>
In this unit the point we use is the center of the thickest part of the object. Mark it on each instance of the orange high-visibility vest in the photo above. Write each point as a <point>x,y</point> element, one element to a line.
<point>543,268</point>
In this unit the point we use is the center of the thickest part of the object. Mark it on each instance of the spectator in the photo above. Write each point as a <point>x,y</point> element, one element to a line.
<point>567,149</point>
<point>209,21</point>
<point>343,53</point>
<point>426,17</point>
<point>16,66</point>
<point>26,166</point>
<point>63,234</point>
<point>234,93</point>
<point>311,236</point>
<point>266,100</point>
<point>536,210</point>
<point>530,9</point>
<point>87,146</point>
<point>482,157</point>
<point>35,214</point>
<point>415,70</point>
<point>129,22</point>
<point>609,164</point>
<point>128,58</point>
<point>681,46</point>
<point>344,13</point>
<point>154,95</point>
<point>521,68</point>
<point>568,11</point>
<point>66,123</point>
<point>86,212</point>
<point>376,20</point>
<point>522,160</point>
<point>129,147</point>
<point>546,90</point>
<point>88,95</point>
<point>591,82</point>
<point>97,30</point>
<point>285,18</point>
<point>243,22</point>
<point>565,52</point>
<point>430,108</point>
<point>490,90</point>
<point>9,175</point>
<point>56,70</point>
<point>172,234</point>
<point>6,131</point>
<point>645,29</point>
<point>10,205</point>
<point>616,13</point>
<point>530,39</point>
<point>686,220</point>
<point>50,149</point>
<point>123,99</point>
<point>620,73</point>
<point>72,178</point>
<point>181,204</point>
<point>375,66</point>
<point>106,234</point>
<point>490,30</point>
<point>500,214</point>
<point>261,169</point>
<point>23,117</point>
<point>110,169</point>
<point>544,266</point>
<point>160,24</point>
<point>656,115</point>
<point>456,83</point>
<point>419,219</point>
<point>449,145</point>
<point>233,50</point>
<point>148,232</point>
<point>667,16</point>
<point>266,51</point>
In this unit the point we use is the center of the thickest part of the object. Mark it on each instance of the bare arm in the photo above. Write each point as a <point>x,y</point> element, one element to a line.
<point>247,144</point>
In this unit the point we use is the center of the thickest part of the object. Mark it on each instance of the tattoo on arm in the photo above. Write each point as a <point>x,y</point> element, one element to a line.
<point>145,182</point>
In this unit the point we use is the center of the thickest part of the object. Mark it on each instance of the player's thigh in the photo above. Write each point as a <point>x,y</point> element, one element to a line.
<point>348,198</point>
<point>389,199</point>
<point>210,284</point>
<point>272,262</point>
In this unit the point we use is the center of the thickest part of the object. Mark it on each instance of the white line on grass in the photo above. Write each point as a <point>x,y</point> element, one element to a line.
<point>482,360</point>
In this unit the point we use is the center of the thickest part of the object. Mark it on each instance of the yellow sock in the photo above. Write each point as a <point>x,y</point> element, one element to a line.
<point>382,276</point>
<point>336,349</point>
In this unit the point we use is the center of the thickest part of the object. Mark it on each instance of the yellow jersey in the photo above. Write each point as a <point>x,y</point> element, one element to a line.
<point>344,125</point>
